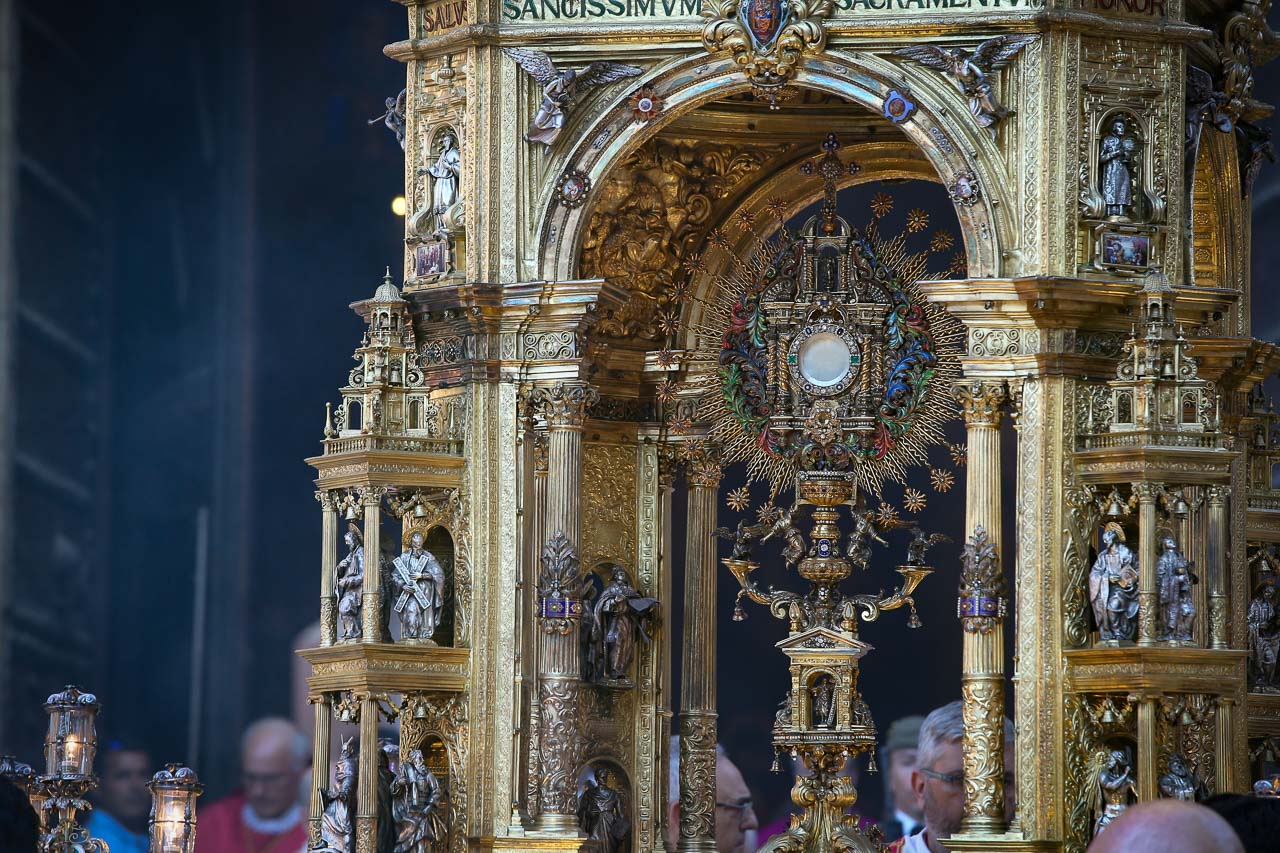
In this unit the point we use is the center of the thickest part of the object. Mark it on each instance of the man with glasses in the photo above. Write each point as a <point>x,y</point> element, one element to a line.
<point>736,822</point>
<point>938,779</point>
<point>265,817</point>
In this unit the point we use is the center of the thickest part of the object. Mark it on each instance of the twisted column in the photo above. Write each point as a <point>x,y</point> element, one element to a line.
<point>371,600</point>
<point>1219,637</point>
<point>982,609</point>
<point>1148,596</point>
<point>328,566</point>
<point>564,406</point>
<point>698,686</point>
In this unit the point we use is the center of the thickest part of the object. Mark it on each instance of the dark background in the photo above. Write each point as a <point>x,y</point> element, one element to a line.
<point>191,198</point>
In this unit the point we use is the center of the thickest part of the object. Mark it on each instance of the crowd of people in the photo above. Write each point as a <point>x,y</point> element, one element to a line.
<point>922,757</point>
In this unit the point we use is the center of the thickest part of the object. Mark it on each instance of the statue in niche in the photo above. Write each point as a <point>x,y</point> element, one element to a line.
<point>419,583</point>
<point>416,805</point>
<point>1117,788</point>
<point>1118,169</point>
<point>619,615</point>
<point>388,751</point>
<point>600,813</point>
<point>1264,638</point>
<point>1174,580</point>
<point>1180,783</point>
<point>743,537</point>
<point>445,173</point>
<point>823,694</point>
<point>338,819</point>
<point>350,585</point>
<point>1113,587</point>
<point>794,547</point>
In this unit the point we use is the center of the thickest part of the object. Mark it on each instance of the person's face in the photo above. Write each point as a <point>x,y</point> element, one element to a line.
<point>942,802</point>
<point>1108,537</point>
<point>416,541</point>
<point>1118,128</point>
<point>901,763</point>
<point>124,786</point>
<point>734,812</point>
<point>270,780</point>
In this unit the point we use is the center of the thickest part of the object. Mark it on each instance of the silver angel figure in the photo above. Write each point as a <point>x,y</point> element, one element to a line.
<point>1264,638</point>
<point>1116,788</point>
<point>920,544</point>
<point>864,531</point>
<point>419,582</point>
<point>416,806</point>
<point>350,586</point>
<point>338,820</point>
<point>743,537</point>
<point>619,616</point>
<point>1113,587</point>
<point>1116,164</point>
<point>968,71</point>
<point>600,813</point>
<point>559,87</point>
<point>393,118</point>
<point>794,547</point>
<point>1173,582</point>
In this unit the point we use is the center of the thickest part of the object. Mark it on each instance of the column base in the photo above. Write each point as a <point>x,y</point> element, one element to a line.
<point>696,845</point>
<point>1013,842</point>
<point>534,843</point>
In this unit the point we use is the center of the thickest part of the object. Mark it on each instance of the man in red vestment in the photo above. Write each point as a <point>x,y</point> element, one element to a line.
<point>265,816</point>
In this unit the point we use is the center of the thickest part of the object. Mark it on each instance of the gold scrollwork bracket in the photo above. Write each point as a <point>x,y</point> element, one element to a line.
<point>769,60</point>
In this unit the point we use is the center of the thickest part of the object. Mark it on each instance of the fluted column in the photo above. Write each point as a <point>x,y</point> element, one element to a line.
<point>320,759</point>
<point>564,407</point>
<point>371,602</point>
<point>367,775</point>
<point>1219,635</point>
<point>1223,766</point>
<point>698,685</point>
<point>1148,596</point>
<point>982,608</point>
<point>668,470</point>
<point>328,566</point>
<point>1148,748</point>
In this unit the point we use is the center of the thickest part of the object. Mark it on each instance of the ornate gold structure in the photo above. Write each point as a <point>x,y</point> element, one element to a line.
<point>527,397</point>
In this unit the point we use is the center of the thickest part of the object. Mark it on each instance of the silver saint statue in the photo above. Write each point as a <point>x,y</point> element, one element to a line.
<point>823,696</point>
<point>1113,587</point>
<point>350,586</point>
<point>1180,783</point>
<point>1174,581</point>
<point>338,820</point>
<point>417,806</point>
<point>559,87</point>
<point>445,173</point>
<point>600,813</point>
<point>1116,788</point>
<point>419,586</point>
<point>620,615</point>
<point>1264,638</point>
<point>1116,163</point>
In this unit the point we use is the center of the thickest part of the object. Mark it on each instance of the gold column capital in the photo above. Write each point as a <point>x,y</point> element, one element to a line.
<point>980,400</point>
<point>668,464</point>
<point>371,495</point>
<point>327,499</point>
<point>564,404</point>
<point>1217,494</point>
<point>1147,492</point>
<point>702,466</point>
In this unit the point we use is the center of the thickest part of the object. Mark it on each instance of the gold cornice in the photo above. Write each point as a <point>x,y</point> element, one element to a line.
<point>1146,463</point>
<point>387,468</point>
<point>387,667</point>
<point>1137,669</point>
<point>1264,714</point>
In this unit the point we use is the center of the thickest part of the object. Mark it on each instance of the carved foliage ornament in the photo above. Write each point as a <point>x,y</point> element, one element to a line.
<point>767,38</point>
<point>982,588</point>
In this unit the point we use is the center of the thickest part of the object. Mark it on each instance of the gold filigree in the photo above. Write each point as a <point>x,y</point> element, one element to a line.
<point>771,62</point>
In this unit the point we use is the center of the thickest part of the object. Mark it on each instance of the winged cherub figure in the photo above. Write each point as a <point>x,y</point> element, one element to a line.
<point>968,71</point>
<point>559,87</point>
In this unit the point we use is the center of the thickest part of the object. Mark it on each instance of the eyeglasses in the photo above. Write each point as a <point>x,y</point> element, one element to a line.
<point>950,778</point>
<point>741,807</point>
<point>957,777</point>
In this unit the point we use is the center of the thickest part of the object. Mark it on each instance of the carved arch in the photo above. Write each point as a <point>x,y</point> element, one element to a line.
<point>691,82</point>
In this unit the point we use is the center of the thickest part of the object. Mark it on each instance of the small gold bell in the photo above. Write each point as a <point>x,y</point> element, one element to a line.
<point>419,511</point>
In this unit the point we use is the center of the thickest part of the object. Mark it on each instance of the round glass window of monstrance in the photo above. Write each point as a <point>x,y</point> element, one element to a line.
<point>825,359</point>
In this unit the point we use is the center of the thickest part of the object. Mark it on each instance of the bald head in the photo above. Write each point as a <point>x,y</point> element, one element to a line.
<point>1167,826</point>
<point>273,756</point>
